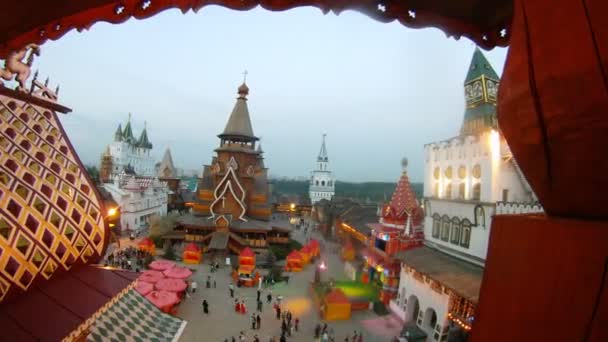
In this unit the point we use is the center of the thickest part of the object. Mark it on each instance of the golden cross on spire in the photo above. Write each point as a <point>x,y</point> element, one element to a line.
<point>245,76</point>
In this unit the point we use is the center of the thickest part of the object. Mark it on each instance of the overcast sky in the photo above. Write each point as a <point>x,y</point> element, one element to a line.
<point>379,91</point>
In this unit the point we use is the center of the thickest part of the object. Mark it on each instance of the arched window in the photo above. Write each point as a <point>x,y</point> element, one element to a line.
<point>476,192</point>
<point>427,207</point>
<point>455,232</point>
<point>465,236</point>
<point>430,319</point>
<point>445,228</point>
<point>461,188</point>
<point>322,183</point>
<point>448,191</point>
<point>436,225</point>
<point>436,190</point>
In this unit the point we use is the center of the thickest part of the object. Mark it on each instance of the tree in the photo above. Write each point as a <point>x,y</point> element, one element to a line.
<point>93,173</point>
<point>160,226</point>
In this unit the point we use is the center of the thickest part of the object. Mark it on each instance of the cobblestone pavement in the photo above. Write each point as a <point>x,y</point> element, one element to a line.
<point>222,322</point>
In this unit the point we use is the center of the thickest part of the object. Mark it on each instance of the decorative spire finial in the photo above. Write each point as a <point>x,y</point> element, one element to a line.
<point>129,116</point>
<point>404,163</point>
<point>245,76</point>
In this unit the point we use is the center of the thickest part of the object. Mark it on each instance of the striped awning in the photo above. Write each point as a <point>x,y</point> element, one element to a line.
<point>134,318</point>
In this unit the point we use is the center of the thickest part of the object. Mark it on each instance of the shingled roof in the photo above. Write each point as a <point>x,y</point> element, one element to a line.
<point>239,123</point>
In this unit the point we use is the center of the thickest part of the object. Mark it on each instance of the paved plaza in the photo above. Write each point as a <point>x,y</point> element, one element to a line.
<point>222,322</point>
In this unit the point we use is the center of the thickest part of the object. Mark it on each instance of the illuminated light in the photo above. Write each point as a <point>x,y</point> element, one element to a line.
<point>112,225</point>
<point>292,206</point>
<point>495,144</point>
<point>112,211</point>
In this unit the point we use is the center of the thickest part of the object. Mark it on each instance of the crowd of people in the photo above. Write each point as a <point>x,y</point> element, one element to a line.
<point>129,258</point>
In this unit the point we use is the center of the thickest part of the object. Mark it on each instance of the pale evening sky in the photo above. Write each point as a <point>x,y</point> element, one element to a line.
<point>379,91</point>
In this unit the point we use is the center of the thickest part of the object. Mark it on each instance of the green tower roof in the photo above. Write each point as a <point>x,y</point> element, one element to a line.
<point>143,141</point>
<point>480,66</point>
<point>127,133</point>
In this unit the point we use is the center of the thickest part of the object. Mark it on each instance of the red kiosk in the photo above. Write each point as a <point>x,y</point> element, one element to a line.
<point>147,245</point>
<point>246,268</point>
<point>192,254</point>
<point>294,262</point>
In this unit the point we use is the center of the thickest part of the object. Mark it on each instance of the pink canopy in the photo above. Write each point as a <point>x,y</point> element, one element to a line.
<point>171,285</point>
<point>144,287</point>
<point>162,299</point>
<point>178,273</point>
<point>151,277</point>
<point>161,265</point>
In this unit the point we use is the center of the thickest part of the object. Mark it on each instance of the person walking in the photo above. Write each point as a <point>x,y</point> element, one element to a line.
<point>288,317</point>
<point>205,306</point>
<point>259,294</point>
<point>253,321</point>
<point>269,296</point>
<point>214,283</point>
<point>231,289</point>
<point>258,321</point>
<point>284,328</point>
<point>242,336</point>
<point>297,324</point>
<point>208,283</point>
<point>193,286</point>
<point>260,305</point>
<point>278,312</point>
<point>243,307</point>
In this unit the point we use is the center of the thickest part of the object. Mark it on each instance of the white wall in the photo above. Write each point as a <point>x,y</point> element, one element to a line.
<point>426,298</point>
<point>478,245</point>
<point>124,154</point>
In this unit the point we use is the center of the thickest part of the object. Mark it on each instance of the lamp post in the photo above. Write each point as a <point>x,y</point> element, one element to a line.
<point>318,270</point>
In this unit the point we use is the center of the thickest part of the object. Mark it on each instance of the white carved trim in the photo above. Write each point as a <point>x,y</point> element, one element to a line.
<point>218,196</point>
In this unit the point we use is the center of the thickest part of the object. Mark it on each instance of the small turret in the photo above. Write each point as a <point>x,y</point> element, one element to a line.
<point>118,133</point>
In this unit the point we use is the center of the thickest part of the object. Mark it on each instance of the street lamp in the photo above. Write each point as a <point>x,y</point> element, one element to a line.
<point>321,267</point>
<point>112,212</point>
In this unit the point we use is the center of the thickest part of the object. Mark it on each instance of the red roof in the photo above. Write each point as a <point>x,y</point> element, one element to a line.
<point>54,309</point>
<point>294,255</point>
<point>247,252</point>
<point>192,247</point>
<point>146,242</point>
<point>404,197</point>
<point>337,296</point>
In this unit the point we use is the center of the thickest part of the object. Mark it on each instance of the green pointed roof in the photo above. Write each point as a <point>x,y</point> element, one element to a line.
<point>118,134</point>
<point>480,66</point>
<point>143,141</point>
<point>127,133</point>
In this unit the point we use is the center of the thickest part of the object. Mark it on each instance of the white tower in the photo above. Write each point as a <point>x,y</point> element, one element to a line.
<point>321,180</point>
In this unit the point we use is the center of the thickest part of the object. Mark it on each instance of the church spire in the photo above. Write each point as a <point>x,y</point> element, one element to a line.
<point>143,141</point>
<point>239,123</point>
<point>118,133</point>
<point>323,152</point>
<point>167,169</point>
<point>480,90</point>
<point>127,133</point>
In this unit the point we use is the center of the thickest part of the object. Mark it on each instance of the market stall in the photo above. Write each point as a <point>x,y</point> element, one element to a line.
<point>336,306</point>
<point>246,267</point>
<point>294,262</point>
<point>147,245</point>
<point>192,254</point>
<point>305,252</point>
<point>348,251</point>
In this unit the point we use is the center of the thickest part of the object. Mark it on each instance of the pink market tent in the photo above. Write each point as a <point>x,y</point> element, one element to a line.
<point>151,277</point>
<point>178,273</point>
<point>163,300</point>
<point>144,287</point>
<point>161,265</point>
<point>171,285</point>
